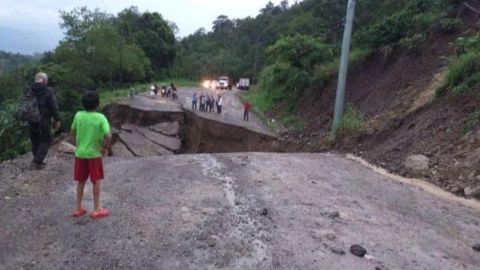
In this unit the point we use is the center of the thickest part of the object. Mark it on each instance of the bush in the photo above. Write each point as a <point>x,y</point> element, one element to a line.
<point>351,123</point>
<point>293,122</point>
<point>300,50</point>
<point>464,73</point>
<point>472,121</point>
<point>467,44</point>
<point>450,25</point>
<point>407,24</point>
<point>323,73</point>
<point>412,43</point>
<point>283,83</point>
<point>13,136</point>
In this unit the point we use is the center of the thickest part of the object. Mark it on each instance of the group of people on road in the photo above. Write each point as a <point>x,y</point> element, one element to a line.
<point>164,91</point>
<point>207,103</point>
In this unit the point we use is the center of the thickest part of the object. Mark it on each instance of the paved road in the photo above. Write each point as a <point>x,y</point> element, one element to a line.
<point>231,211</point>
<point>232,111</point>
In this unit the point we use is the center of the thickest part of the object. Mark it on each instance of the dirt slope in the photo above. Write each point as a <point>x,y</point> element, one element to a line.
<point>396,93</point>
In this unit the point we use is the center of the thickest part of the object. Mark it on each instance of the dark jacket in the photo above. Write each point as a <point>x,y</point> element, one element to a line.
<point>47,103</point>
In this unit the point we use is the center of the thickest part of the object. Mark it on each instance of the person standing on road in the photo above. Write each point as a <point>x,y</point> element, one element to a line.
<point>207,104</point>
<point>212,103</point>
<point>91,132</point>
<point>194,101</point>
<point>219,104</point>
<point>202,102</point>
<point>174,91</point>
<point>40,131</point>
<point>247,106</point>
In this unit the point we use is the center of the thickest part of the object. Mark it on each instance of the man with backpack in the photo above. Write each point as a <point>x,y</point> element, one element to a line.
<point>38,108</point>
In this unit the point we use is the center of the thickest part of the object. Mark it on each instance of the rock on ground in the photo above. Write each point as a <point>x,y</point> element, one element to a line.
<point>141,146</point>
<point>358,250</point>
<point>120,150</point>
<point>472,191</point>
<point>170,143</point>
<point>416,164</point>
<point>65,147</point>
<point>167,128</point>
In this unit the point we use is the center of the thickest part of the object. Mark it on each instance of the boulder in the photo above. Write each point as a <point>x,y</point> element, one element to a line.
<point>141,146</point>
<point>120,150</point>
<point>472,191</point>
<point>167,128</point>
<point>114,131</point>
<point>358,250</point>
<point>129,127</point>
<point>417,164</point>
<point>65,147</point>
<point>170,143</point>
<point>473,158</point>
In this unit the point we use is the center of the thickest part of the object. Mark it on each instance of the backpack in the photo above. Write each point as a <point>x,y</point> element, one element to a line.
<point>28,109</point>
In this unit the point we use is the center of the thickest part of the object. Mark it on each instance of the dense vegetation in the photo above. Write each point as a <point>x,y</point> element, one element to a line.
<point>286,50</point>
<point>12,61</point>
<point>99,51</point>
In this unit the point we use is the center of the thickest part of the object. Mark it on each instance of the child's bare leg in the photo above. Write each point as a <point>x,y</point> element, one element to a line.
<point>96,195</point>
<point>80,189</point>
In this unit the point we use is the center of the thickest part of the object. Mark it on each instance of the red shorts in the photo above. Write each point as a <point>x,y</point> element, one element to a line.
<point>88,167</point>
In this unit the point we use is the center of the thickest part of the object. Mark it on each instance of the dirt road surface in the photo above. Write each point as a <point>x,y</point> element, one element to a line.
<point>231,211</point>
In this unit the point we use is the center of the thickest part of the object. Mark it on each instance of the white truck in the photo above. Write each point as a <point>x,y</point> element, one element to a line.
<point>224,83</point>
<point>243,84</point>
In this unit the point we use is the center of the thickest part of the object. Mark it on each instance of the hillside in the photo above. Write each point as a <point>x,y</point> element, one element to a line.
<point>403,113</point>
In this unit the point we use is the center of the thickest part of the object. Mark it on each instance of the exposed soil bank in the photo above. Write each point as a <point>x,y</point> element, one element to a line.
<point>396,94</point>
<point>202,135</point>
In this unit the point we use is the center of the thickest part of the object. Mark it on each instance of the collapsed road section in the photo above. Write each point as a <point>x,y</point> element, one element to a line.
<point>148,126</point>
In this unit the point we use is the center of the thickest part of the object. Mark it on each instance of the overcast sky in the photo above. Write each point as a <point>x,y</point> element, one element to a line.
<point>29,26</point>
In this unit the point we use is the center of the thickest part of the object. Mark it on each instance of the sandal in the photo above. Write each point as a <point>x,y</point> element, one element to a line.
<point>79,213</point>
<point>103,212</point>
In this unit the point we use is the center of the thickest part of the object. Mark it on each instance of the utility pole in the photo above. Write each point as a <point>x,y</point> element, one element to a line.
<point>342,72</point>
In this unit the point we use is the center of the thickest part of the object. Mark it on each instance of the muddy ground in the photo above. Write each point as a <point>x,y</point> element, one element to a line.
<point>231,211</point>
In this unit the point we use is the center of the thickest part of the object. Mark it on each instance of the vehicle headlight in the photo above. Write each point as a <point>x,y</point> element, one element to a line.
<point>206,84</point>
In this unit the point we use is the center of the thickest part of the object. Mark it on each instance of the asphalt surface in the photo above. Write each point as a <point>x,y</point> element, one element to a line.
<point>231,211</point>
<point>232,110</point>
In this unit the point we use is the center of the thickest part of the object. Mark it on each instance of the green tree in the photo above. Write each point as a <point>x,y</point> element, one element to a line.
<point>151,33</point>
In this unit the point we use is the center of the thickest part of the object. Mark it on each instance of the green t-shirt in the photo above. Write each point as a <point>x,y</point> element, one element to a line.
<point>90,129</point>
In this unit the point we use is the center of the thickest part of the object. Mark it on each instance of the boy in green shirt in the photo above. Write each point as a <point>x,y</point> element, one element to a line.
<point>91,132</point>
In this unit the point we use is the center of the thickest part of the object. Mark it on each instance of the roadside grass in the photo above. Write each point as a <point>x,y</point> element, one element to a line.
<point>473,120</point>
<point>292,122</point>
<point>111,96</point>
<point>463,74</point>
<point>262,104</point>
<point>351,123</point>
<point>260,99</point>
